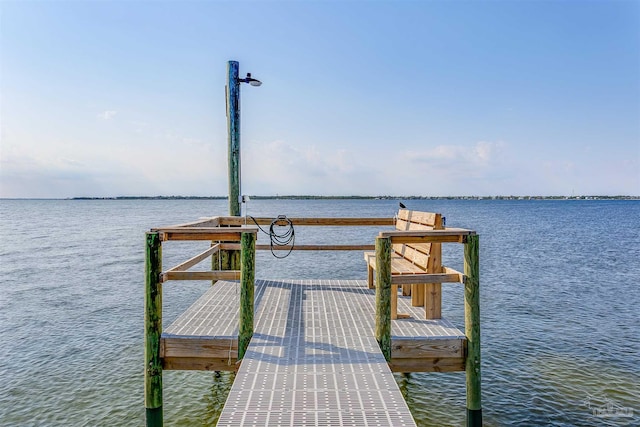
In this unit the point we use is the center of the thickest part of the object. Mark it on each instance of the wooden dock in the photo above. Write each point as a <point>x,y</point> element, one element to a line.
<point>307,352</point>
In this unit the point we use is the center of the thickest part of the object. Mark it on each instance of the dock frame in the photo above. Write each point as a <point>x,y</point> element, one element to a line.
<point>235,243</point>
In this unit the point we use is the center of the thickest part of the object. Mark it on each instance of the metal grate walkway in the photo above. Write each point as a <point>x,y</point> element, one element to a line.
<point>314,361</point>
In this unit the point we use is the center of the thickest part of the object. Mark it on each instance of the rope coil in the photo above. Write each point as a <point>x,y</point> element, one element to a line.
<point>279,238</point>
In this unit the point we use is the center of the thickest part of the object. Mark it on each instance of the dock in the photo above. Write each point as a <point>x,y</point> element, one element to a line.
<point>306,352</point>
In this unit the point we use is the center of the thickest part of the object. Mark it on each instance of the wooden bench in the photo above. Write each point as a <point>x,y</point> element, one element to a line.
<point>416,258</point>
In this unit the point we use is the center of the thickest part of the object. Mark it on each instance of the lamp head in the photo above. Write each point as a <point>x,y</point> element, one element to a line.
<point>251,80</point>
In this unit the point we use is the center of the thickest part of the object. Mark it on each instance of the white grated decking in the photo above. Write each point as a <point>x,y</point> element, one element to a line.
<point>313,359</point>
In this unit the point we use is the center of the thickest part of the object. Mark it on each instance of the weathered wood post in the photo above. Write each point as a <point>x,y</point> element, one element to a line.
<point>231,259</point>
<point>216,261</point>
<point>383,295</point>
<point>233,138</point>
<point>235,260</point>
<point>472,329</point>
<point>247,278</point>
<point>153,330</point>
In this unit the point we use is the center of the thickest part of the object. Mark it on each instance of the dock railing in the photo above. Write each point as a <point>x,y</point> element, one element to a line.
<point>233,246</point>
<point>471,281</point>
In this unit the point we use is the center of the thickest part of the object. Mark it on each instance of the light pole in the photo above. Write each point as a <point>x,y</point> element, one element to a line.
<point>233,127</point>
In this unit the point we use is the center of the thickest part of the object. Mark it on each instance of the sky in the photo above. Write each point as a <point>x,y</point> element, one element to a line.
<point>427,98</point>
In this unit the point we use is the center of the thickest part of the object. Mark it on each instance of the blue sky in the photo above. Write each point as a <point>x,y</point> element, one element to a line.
<point>361,97</point>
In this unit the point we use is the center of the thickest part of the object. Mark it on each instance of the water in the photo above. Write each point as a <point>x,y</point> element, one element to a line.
<point>559,303</point>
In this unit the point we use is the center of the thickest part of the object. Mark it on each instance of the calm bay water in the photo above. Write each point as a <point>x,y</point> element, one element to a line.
<point>559,299</point>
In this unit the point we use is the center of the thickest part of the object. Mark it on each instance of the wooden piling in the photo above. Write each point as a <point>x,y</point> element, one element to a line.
<point>235,260</point>
<point>216,261</point>
<point>225,259</point>
<point>153,331</point>
<point>472,329</point>
<point>383,295</point>
<point>247,279</point>
<point>233,127</point>
<point>432,297</point>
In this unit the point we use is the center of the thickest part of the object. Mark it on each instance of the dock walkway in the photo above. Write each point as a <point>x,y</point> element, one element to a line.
<point>314,361</point>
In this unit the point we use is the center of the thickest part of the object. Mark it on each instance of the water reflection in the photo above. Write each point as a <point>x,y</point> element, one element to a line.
<point>221,383</point>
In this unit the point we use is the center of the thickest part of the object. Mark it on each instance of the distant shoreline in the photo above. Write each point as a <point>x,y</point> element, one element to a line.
<point>311,197</point>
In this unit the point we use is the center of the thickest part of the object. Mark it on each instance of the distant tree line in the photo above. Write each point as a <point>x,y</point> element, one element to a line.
<point>312,197</point>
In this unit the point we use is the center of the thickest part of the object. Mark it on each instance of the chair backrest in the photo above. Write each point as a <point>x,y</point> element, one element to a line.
<point>424,255</point>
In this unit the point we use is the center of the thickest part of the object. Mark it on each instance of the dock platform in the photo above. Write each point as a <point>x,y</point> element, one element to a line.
<point>313,359</point>
<point>313,352</point>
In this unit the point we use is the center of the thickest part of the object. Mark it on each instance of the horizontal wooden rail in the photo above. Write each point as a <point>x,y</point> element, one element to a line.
<point>411,279</point>
<point>196,259</point>
<point>319,247</point>
<point>202,222</point>
<point>238,221</point>
<point>204,346</point>
<point>461,277</point>
<point>229,228</point>
<point>235,246</point>
<point>205,233</point>
<point>201,275</point>
<point>448,235</point>
<point>199,235</point>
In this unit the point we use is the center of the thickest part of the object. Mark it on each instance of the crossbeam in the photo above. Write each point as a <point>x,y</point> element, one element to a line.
<point>196,259</point>
<point>201,275</point>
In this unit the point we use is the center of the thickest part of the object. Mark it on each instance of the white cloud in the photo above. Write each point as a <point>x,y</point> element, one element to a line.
<point>172,163</point>
<point>482,153</point>
<point>28,171</point>
<point>449,169</point>
<point>107,114</point>
<point>281,167</point>
<point>141,166</point>
<point>285,168</point>
<point>484,150</point>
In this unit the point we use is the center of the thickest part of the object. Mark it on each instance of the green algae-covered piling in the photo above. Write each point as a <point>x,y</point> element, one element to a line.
<point>233,125</point>
<point>153,331</point>
<point>383,295</point>
<point>472,329</point>
<point>247,279</point>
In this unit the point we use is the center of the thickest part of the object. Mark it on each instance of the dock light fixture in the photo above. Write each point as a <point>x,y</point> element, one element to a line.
<point>250,80</point>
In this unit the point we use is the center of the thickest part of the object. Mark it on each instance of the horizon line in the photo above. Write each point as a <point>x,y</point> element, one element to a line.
<point>336,197</point>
